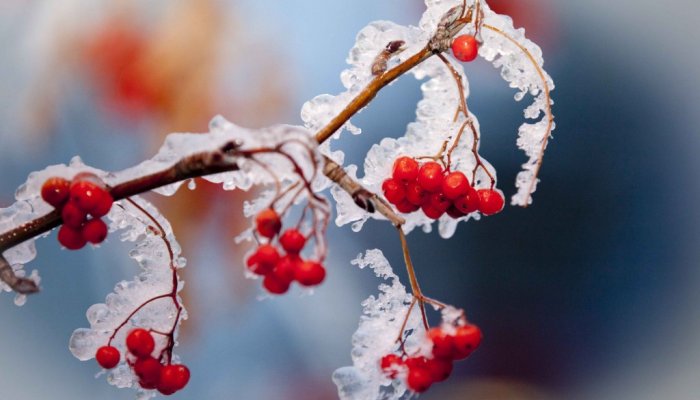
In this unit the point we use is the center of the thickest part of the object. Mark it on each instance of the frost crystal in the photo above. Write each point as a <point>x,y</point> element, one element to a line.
<point>380,324</point>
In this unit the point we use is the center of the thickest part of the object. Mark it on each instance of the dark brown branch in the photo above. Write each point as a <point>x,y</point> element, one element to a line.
<point>18,284</point>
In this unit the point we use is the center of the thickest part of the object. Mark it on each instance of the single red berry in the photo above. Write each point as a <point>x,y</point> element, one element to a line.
<point>415,194</point>
<point>107,357</point>
<point>439,368</point>
<point>454,185</point>
<point>394,190</point>
<point>173,377</point>
<point>417,362</point>
<point>439,201</point>
<point>292,241</point>
<point>468,203</point>
<point>85,194</point>
<point>140,343</point>
<point>70,238</point>
<point>73,215</point>
<point>466,339</point>
<point>275,285</point>
<point>490,201</point>
<point>55,191</point>
<point>268,223</point>
<point>148,370</point>
<point>309,273</point>
<point>431,212</point>
<point>443,344</point>
<point>102,205</point>
<point>405,169</point>
<point>465,48</point>
<point>94,231</point>
<point>430,176</point>
<point>419,379</point>
<point>391,365</point>
<point>454,212</point>
<point>406,207</point>
<point>263,260</point>
<point>286,267</point>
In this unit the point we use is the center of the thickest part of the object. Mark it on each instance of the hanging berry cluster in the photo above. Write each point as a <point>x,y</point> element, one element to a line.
<point>428,187</point>
<point>279,271</point>
<point>153,373</point>
<point>82,203</point>
<point>448,345</point>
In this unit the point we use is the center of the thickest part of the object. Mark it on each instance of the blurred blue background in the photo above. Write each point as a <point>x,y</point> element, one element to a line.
<point>591,293</point>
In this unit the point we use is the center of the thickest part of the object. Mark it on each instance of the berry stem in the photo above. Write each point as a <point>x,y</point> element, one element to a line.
<point>415,287</point>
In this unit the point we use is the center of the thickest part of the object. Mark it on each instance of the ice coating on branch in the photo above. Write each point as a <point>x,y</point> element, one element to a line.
<point>155,279</point>
<point>525,73</point>
<point>376,335</point>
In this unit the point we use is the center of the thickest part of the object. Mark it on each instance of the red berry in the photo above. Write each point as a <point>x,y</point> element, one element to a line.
<point>292,241</point>
<point>286,267</point>
<point>275,285</point>
<point>103,204</point>
<point>419,362</point>
<point>55,191</point>
<point>465,48</point>
<point>454,185</point>
<point>440,369</point>
<point>85,194</point>
<point>430,176</point>
<point>405,169</point>
<point>148,370</point>
<point>406,207</point>
<point>173,377</point>
<point>439,202</point>
<point>443,344</point>
<point>107,357</point>
<point>309,273</point>
<point>468,203</point>
<point>394,190</point>
<point>419,379</point>
<point>466,339</point>
<point>415,194</point>
<point>454,212</point>
<point>140,343</point>
<point>73,215</point>
<point>70,238</point>
<point>490,201</point>
<point>268,223</point>
<point>431,212</point>
<point>391,365</point>
<point>263,260</point>
<point>95,231</point>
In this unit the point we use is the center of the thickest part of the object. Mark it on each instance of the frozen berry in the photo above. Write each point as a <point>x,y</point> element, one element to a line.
<point>440,369</point>
<point>285,269</point>
<point>490,201</point>
<point>275,285</point>
<point>73,215</point>
<point>85,194</point>
<point>407,207</point>
<point>173,377</point>
<point>268,223</point>
<point>466,339</point>
<point>55,191</point>
<point>107,357</point>
<point>430,176</point>
<point>102,205</point>
<point>148,370</point>
<point>309,273</point>
<point>70,238</point>
<point>465,48</point>
<point>443,344</point>
<point>419,379</point>
<point>454,212</point>
<point>415,194</point>
<point>292,241</point>
<point>439,202</point>
<point>95,231</point>
<point>391,365</point>
<point>468,203</point>
<point>263,260</point>
<point>140,343</point>
<point>454,185</point>
<point>432,212</point>
<point>394,190</point>
<point>405,169</point>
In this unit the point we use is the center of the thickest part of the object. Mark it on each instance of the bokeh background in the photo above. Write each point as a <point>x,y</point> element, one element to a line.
<point>591,293</point>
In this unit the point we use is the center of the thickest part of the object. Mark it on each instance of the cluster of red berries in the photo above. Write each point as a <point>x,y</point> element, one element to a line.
<point>279,271</point>
<point>421,372</point>
<point>167,379</point>
<point>465,48</point>
<point>428,187</point>
<point>86,195</point>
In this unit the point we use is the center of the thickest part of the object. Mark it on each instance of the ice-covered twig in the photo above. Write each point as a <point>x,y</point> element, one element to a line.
<point>18,284</point>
